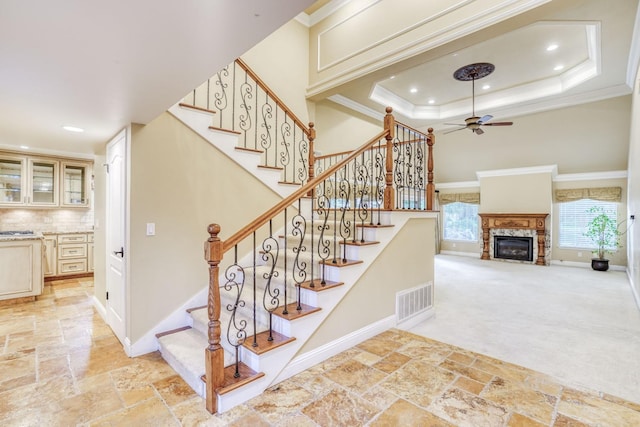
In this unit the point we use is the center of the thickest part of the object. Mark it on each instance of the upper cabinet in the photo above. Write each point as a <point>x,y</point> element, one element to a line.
<point>13,180</point>
<point>42,180</point>
<point>76,184</point>
<point>28,181</point>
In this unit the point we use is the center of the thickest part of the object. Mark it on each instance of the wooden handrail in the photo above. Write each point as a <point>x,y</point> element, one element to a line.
<point>273,96</point>
<point>262,219</point>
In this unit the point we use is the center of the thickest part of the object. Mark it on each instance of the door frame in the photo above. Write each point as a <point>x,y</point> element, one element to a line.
<point>126,133</point>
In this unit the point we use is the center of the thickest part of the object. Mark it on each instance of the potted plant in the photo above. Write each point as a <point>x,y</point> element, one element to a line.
<point>604,232</point>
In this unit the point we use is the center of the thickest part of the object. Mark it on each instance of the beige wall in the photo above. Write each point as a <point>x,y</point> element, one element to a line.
<point>566,137</point>
<point>633,200</point>
<point>341,129</point>
<point>405,263</point>
<point>181,183</point>
<point>99,245</point>
<point>526,193</point>
<point>281,61</point>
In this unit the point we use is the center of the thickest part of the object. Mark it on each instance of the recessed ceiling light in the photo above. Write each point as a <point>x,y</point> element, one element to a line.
<point>413,90</point>
<point>558,67</point>
<point>392,77</point>
<point>24,147</point>
<point>432,101</point>
<point>72,129</point>
<point>552,47</point>
<point>485,87</point>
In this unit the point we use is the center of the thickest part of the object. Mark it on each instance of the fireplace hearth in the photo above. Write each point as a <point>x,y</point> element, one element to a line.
<point>512,247</point>
<point>515,221</point>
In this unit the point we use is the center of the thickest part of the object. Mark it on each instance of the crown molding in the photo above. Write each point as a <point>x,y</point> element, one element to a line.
<point>552,169</point>
<point>356,106</point>
<point>460,184</point>
<point>591,176</point>
<point>320,14</point>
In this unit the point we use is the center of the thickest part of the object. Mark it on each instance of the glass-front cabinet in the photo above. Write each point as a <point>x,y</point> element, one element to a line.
<point>43,177</point>
<point>30,181</point>
<point>13,180</point>
<point>76,184</point>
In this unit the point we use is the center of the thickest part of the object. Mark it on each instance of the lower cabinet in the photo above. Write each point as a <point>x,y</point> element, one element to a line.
<point>72,253</point>
<point>20,268</point>
<point>50,255</point>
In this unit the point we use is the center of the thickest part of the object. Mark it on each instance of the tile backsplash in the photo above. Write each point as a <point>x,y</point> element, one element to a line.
<point>46,220</point>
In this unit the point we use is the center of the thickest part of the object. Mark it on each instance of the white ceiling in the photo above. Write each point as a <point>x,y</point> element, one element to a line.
<point>597,47</point>
<point>102,65</point>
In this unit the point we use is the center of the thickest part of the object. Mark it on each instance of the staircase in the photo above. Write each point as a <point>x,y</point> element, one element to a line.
<point>276,280</point>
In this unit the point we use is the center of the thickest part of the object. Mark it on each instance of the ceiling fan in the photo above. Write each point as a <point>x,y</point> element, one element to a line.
<point>474,72</point>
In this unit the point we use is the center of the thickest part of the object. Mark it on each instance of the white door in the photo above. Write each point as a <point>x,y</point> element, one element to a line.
<point>116,234</point>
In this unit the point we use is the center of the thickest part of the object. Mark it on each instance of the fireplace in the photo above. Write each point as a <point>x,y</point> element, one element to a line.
<point>512,247</point>
<point>515,221</point>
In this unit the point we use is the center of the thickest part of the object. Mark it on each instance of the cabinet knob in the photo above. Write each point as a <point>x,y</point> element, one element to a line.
<point>120,252</point>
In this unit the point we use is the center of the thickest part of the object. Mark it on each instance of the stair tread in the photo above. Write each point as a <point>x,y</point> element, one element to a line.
<point>231,382</point>
<point>360,243</point>
<point>249,150</point>
<point>270,167</point>
<point>293,312</point>
<point>342,263</point>
<point>224,130</point>
<point>318,286</point>
<point>263,343</point>
<point>194,107</point>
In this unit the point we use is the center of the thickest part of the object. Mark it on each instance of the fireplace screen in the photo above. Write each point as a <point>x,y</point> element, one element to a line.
<point>511,247</point>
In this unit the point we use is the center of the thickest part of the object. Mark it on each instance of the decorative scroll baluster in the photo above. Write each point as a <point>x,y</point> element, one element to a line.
<point>430,186</point>
<point>255,292</point>
<point>299,268</point>
<point>237,328</point>
<point>324,243</point>
<point>265,136</point>
<point>379,174</point>
<point>345,224</point>
<point>285,155</point>
<point>270,299</point>
<point>363,187</point>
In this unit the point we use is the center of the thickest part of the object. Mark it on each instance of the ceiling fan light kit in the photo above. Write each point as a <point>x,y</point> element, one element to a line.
<point>474,72</point>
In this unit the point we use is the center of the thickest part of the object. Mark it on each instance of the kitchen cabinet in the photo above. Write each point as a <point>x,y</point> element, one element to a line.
<point>21,272</point>
<point>72,254</point>
<point>90,267</point>
<point>76,184</point>
<point>30,181</point>
<point>50,255</point>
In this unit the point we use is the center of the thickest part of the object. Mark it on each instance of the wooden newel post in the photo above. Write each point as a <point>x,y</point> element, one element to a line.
<point>312,155</point>
<point>214,354</point>
<point>390,127</point>
<point>431,188</point>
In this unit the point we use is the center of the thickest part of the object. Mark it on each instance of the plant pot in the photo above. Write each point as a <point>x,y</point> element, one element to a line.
<point>600,264</point>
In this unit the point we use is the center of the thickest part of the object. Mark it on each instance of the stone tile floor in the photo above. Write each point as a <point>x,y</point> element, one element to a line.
<point>60,365</point>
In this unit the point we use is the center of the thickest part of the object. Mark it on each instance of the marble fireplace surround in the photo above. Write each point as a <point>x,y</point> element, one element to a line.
<point>517,221</point>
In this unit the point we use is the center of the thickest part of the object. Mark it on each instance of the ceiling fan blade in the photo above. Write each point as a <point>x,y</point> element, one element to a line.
<point>497,124</point>
<point>455,130</point>
<point>478,131</point>
<point>485,118</point>
<point>455,124</point>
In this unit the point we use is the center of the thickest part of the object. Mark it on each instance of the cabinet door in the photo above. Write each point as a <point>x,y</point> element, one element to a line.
<point>13,180</point>
<point>43,179</point>
<point>50,255</point>
<point>76,184</point>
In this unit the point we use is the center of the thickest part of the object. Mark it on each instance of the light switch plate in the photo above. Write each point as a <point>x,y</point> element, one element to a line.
<point>151,229</point>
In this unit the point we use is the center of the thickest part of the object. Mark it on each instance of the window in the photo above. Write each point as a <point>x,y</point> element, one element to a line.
<point>574,217</point>
<point>460,221</point>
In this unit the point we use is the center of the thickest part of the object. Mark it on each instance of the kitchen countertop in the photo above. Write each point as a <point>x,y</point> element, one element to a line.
<point>34,236</point>
<point>48,233</point>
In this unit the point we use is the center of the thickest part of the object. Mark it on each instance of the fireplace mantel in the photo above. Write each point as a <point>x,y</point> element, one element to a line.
<point>520,221</point>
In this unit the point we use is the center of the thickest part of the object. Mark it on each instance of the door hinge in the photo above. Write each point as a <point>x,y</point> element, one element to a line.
<point>107,295</point>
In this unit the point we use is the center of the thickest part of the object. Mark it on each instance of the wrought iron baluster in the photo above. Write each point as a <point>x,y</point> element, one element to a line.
<point>299,268</point>
<point>345,224</point>
<point>286,283</point>
<point>265,136</point>
<point>270,298</point>
<point>285,155</point>
<point>379,166</point>
<point>324,244</point>
<point>255,304</point>
<point>236,329</point>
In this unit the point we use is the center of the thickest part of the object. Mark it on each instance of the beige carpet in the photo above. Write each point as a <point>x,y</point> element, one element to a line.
<point>576,324</point>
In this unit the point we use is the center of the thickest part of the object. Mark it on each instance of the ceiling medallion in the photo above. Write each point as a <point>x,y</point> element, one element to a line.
<point>473,71</point>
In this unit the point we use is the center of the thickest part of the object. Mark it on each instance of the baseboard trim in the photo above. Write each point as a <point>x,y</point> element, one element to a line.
<point>636,297</point>
<point>313,357</point>
<point>417,319</point>
<point>585,264</point>
<point>102,311</point>
<point>467,254</point>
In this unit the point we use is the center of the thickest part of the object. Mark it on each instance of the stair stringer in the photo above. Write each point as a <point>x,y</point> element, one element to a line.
<point>274,362</point>
<point>227,142</point>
